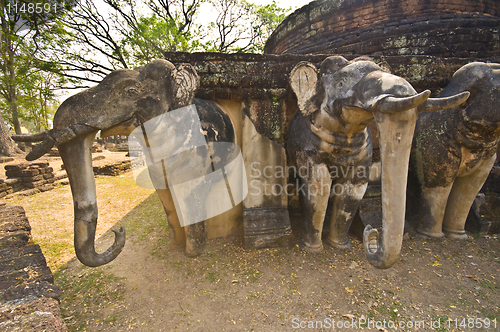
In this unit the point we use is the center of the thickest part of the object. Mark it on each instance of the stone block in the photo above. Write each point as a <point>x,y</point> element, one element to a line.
<point>17,167</point>
<point>22,173</point>
<point>32,290</point>
<point>39,315</point>
<point>35,184</point>
<point>14,227</point>
<point>266,222</point>
<point>41,164</point>
<point>32,178</point>
<point>11,181</point>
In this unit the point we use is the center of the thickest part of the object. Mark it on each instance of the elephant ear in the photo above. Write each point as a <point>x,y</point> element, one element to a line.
<point>186,83</point>
<point>304,80</point>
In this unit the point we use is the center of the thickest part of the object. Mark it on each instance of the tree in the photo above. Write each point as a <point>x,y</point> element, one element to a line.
<point>27,29</point>
<point>242,26</point>
<point>38,99</point>
<point>131,33</point>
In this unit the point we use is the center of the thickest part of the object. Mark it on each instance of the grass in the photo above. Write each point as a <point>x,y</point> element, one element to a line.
<point>252,274</point>
<point>51,217</point>
<point>298,283</point>
<point>51,214</point>
<point>84,293</point>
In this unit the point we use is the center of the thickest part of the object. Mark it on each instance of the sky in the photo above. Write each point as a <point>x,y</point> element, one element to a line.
<point>283,3</point>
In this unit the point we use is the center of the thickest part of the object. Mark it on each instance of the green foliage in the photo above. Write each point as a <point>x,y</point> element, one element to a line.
<point>42,53</point>
<point>26,83</point>
<point>153,36</point>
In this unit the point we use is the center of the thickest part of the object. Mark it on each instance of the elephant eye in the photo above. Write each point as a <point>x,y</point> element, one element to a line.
<point>132,92</point>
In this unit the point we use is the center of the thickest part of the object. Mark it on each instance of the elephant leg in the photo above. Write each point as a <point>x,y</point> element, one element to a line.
<point>314,192</point>
<point>432,208</point>
<point>462,196</point>
<point>346,199</point>
<point>196,239</point>
<point>176,232</point>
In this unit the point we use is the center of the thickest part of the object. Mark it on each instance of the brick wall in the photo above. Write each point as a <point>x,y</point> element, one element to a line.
<point>29,300</point>
<point>445,28</point>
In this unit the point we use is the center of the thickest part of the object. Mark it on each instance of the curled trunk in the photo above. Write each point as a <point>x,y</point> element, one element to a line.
<point>77,158</point>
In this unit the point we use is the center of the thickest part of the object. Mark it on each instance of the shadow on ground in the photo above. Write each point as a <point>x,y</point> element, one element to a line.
<point>153,286</point>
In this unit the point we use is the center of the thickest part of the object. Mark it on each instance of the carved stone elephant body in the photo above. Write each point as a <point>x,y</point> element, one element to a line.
<point>454,150</point>
<point>216,126</point>
<point>329,138</point>
<point>123,101</point>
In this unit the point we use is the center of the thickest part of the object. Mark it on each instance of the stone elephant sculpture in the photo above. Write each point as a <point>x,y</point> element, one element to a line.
<point>330,142</point>
<point>454,150</point>
<point>121,102</point>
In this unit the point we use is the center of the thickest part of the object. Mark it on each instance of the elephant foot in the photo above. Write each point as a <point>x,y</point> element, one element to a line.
<point>192,253</point>
<point>177,241</point>
<point>311,248</point>
<point>344,244</point>
<point>195,248</point>
<point>427,234</point>
<point>456,235</point>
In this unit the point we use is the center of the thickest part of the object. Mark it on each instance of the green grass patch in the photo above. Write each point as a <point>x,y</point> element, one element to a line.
<point>86,292</point>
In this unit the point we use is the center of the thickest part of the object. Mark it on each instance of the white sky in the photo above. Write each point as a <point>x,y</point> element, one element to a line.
<point>283,3</point>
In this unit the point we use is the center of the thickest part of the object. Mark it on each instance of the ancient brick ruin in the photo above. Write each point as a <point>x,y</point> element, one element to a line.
<point>443,28</point>
<point>29,178</point>
<point>29,300</point>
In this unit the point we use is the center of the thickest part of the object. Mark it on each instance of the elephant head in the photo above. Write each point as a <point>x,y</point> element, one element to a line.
<point>124,100</point>
<point>339,102</point>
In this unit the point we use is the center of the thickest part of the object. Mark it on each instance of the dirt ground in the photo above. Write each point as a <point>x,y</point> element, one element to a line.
<point>440,285</point>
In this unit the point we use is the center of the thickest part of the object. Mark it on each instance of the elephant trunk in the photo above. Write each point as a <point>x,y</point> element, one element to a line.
<point>396,134</point>
<point>77,158</point>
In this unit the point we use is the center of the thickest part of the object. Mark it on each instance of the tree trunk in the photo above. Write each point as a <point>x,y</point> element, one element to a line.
<point>8,147</point>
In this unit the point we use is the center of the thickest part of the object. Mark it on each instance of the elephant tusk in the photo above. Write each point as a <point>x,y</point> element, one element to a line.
<point>396,133</point>
<point>401,104</point>
<point>31,138</point>
<point>438,104</point>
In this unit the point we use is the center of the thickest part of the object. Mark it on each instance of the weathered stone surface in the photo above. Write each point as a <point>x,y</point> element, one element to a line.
<point>266,227</point>
<point>12,259</point>
<point>444,28</point>
<point>42,314</point>
<point>27,176</point>
<point>12,182</point>
<point>32,178</point>
<point>266,220</point>
<point>31,289</point>
<point>28,299</point>
<point>48,175</point>
<point>113,169</point>
<point>35,184</point>
<point>17,167</point>
<point>454,150</point>
<point>23,173</point>
<point>14,227</point>
<point>265,82</point>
